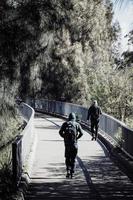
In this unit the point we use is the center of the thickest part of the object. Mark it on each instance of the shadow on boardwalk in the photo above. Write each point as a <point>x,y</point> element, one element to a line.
<point>96,176</point>
<point>104,181</point>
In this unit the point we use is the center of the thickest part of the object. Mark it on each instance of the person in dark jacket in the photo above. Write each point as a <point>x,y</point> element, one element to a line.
<point>94,113</point>
<point>71,131</point>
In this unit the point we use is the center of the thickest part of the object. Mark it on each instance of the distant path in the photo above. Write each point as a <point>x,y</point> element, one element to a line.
<point>96,176</point>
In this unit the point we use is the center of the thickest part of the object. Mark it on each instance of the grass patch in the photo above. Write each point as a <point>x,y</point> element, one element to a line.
<point>6,182</point>
<point>11,125</point>
<point>13,128</point>
<point>7,189</point>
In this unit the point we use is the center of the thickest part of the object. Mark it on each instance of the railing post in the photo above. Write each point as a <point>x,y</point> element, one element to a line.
<point>17,160</point>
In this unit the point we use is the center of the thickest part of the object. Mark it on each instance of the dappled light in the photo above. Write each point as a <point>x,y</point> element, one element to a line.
<point>96,176</point>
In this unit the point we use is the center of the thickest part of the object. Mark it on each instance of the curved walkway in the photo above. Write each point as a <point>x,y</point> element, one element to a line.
<point>96,176</point>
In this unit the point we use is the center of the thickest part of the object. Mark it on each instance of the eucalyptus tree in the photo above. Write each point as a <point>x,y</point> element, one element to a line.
<point>52,48</point>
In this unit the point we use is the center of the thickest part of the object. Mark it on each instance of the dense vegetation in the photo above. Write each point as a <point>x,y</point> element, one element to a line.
<point>46,48</point>
<point>62,49</point>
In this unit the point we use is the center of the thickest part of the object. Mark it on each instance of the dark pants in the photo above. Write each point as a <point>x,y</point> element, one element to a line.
<point>70,155</point>
<point>94,128</point>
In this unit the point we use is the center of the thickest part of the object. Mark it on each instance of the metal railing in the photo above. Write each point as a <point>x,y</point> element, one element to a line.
<point>122,135</point>
<point>22,145</point>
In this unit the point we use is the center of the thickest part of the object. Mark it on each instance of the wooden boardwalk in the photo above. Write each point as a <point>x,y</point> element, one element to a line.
<point>96,176</point>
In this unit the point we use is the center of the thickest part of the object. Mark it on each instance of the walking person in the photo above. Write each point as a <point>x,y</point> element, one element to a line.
<point>94,113</point>
<point>71,131</point>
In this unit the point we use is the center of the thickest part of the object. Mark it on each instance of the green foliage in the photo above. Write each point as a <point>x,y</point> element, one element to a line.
<point>9,129</point>
<point>6,185</point>
<point>113,90</point>
<point>7,190</point>
<point>57,49</point>
<point>128,55</point>
<point>50,44</point>
<point>126,65</point>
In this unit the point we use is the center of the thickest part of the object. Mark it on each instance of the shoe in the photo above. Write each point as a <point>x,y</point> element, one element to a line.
<point>92,138</point>
<point>67,175</point>
<point>71,173</point>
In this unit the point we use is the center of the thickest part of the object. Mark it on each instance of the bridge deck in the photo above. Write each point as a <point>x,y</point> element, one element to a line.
<point>96,176</point>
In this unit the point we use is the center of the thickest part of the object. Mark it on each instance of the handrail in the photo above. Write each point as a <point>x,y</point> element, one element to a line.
<point>22,145</point>
<point>27,134</point>
<point>116,129</point>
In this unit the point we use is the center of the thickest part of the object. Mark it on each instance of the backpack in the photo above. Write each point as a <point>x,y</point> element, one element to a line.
<point>70,133</point>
